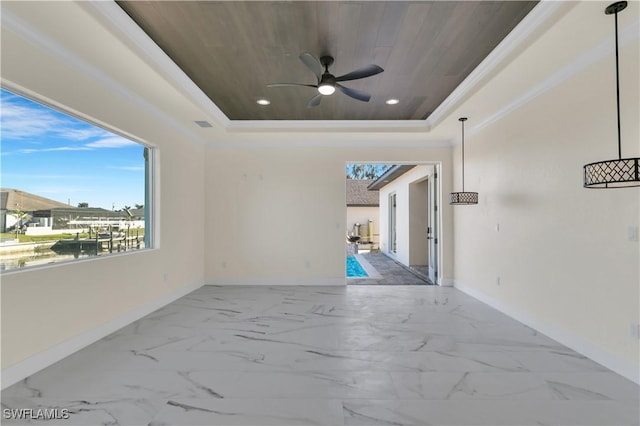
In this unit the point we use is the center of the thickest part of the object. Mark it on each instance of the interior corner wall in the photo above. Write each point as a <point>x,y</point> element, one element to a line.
<point>539,246</point>
<point>49,312</point>
<point>277,215</point>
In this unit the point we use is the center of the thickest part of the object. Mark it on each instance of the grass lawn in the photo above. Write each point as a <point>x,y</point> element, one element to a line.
<point>39,238</point>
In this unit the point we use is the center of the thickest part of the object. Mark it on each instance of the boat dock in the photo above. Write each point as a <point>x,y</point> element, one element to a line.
<point>109,243</point>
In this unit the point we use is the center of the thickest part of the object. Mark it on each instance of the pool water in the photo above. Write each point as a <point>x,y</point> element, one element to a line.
<point>354,269</point>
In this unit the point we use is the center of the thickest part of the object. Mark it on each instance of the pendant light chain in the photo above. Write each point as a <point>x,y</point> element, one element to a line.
<point>463,197</point>
<point>462,153</point>
<point>618,89</point>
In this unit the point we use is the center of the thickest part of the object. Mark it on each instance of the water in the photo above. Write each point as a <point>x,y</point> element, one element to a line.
<point>354,269</point>
<point>45,257</point>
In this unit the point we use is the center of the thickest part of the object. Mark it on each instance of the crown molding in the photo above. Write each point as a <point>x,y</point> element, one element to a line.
<point>33,35</point>
<point>146,47</point>
<point>361,140</point>
<point>628,34</point>
<point>514,41</point>
<point>328,125</point>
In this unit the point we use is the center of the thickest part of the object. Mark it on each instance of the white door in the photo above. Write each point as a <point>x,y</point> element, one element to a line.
<point>392,224</point>
<point>433,231</point>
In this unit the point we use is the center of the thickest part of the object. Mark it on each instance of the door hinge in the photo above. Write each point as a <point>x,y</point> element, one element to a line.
<point>436,241</point>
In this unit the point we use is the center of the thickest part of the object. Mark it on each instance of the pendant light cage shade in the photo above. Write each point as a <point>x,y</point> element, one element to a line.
<point>463,198</point>
<point>620,172</point>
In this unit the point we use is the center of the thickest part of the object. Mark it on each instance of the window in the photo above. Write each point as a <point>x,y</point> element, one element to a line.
<point>70,189</point>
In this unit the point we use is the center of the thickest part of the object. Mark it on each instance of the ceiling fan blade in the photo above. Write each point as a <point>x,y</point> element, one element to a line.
<point>363,72</point>
<point>355,94</point>
<point>312,63</point>
<point>315,101</point>
<point>291,84</point>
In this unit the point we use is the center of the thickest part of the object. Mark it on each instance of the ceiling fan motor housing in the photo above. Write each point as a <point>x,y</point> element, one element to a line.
<point>326,61</point>
<point>328,78</point>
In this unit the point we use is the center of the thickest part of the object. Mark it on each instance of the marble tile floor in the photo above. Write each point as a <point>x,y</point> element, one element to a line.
<point>354,355</point>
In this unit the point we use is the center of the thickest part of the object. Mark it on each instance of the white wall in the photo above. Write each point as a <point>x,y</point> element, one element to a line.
<point>261,201</point>
<point>58,52</point>
<point>404,236</point>
<point>10,220</point>
<point>562,252</point>
<point>362,215</point>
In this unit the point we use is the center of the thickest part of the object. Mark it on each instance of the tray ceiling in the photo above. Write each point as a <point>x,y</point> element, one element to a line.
<point>233,49</point>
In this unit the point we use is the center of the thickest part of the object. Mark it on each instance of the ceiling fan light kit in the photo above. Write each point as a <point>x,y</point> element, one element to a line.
<point>327,83</point>
<point>463,198</point>
<point>326,89</point>
<point>620,172</point>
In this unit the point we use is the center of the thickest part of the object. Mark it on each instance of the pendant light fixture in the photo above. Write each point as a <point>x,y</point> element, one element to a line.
<point>622,172</point>
<point>463,198</point>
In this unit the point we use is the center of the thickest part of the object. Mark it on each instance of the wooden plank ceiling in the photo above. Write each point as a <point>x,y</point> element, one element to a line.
<point>233,49</point>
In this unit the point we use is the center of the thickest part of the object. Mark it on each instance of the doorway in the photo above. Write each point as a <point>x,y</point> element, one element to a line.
<point>407,224</point>
<point>424,225</point>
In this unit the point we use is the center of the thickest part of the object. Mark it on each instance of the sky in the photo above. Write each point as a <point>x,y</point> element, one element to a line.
<point>54,155</point>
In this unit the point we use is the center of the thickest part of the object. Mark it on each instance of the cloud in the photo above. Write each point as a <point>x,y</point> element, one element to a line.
<point>82,134</point>
<point>128,168</point>
<point>24,121</point>
<point>111,141</point>
<point>59,148</point>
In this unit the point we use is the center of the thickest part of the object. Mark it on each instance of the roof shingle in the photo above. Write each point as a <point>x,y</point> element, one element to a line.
<point>10,199</point>
<point>359,196</point>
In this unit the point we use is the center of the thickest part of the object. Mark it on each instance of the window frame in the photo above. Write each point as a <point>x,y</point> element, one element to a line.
<point>151,183</point>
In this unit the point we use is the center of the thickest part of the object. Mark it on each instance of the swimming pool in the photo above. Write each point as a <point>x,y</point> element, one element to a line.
<point>354,269</point>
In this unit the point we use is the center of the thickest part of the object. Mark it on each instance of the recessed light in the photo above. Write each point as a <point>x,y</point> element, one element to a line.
<point>263,101</point>
<point>203,123</point>
<point>392,101</point>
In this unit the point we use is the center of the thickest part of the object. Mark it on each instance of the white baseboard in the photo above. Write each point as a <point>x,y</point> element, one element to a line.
<point>278,281</point>
<point>35,363</point>
<point>597,354</point>
<point>447,282</point>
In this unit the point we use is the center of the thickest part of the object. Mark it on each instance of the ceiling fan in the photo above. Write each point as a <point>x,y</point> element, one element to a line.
<point>327,82</point>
